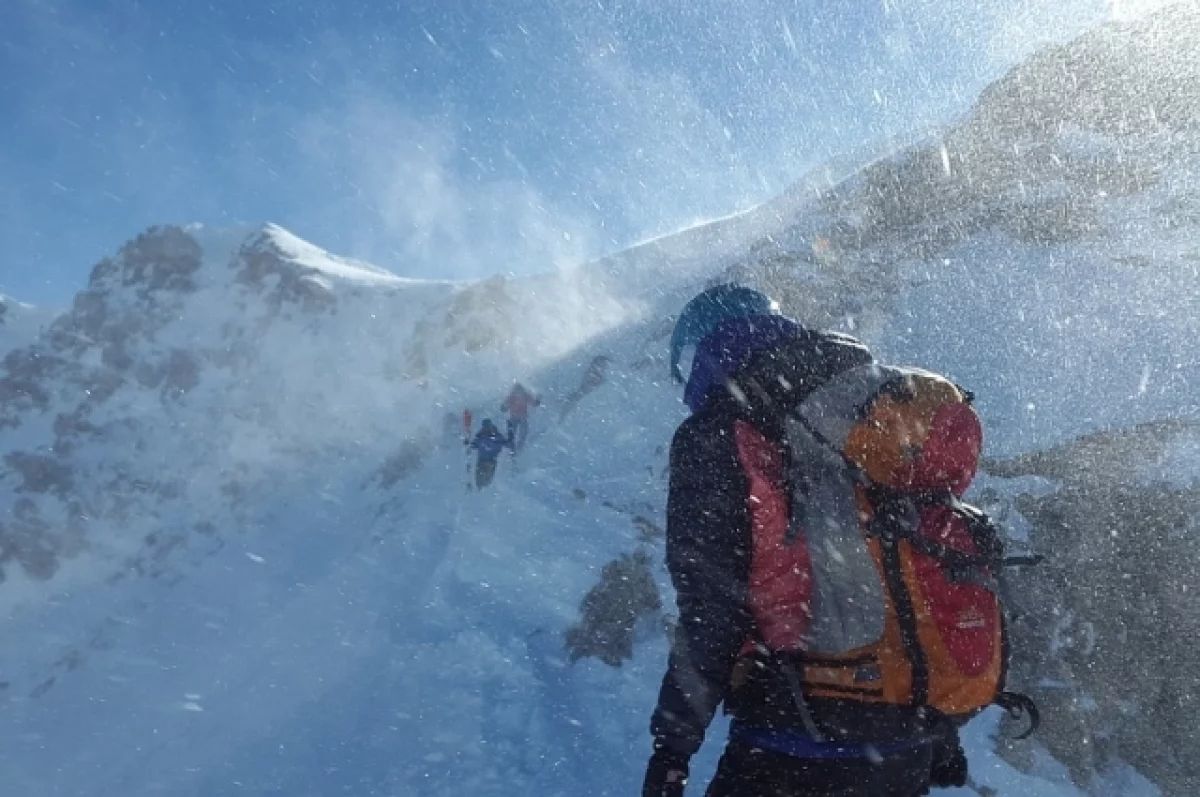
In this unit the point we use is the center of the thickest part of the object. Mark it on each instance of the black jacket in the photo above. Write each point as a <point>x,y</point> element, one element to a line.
<point>708,555</point>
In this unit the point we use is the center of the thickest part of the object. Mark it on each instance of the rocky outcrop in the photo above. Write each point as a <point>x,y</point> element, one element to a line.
<point>160,259</point>
<point>1108,622</point>
<point>103,393</point>
<point>1042,152</point>
<point>262,265</point>
<point>593,377</point>
<point>1136,79</point>
<point>611,610</point>
<point>480,317</point>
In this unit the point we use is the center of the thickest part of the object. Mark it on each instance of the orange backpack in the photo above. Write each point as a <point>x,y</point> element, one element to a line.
<point>898,577</point>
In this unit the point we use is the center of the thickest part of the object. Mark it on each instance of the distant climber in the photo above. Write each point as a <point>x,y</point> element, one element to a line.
<point>520,400</point>
<point>593,378</point>
<point>488,443</point>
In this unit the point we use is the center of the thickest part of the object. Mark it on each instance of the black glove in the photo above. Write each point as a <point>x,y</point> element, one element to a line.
<point>949,768</point>
<point>666,774</point>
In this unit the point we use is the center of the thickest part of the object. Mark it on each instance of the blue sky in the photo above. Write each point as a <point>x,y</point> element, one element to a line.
<point>453,138</point>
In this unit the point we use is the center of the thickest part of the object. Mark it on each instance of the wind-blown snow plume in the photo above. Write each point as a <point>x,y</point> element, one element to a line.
<point>238,528</point>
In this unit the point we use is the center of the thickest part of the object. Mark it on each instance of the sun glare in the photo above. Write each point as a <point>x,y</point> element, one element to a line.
<point>1129,10</point>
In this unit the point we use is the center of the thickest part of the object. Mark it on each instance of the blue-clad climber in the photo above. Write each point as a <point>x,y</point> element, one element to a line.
<point>489,442</point>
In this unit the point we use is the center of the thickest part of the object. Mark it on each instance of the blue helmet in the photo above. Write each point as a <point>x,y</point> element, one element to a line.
<point>709,310</point>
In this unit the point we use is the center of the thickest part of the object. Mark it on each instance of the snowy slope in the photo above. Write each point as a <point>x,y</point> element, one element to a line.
<point>203,459</point>
<point>363,641</point>
<point>240,557</point>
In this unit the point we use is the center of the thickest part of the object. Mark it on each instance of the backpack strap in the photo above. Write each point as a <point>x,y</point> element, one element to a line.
<point>1018,705</point>
<point>806,717</point>
<point>978,569</point>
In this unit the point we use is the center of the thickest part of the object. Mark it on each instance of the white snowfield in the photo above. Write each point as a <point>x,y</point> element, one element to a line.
<point>305,254</point>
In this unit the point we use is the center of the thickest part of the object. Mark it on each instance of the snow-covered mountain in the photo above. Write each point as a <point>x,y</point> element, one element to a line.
<point>239,556</point>
<point>200,363</point>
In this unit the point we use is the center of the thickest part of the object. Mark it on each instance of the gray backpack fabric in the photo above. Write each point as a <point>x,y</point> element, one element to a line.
<point>849,599</point>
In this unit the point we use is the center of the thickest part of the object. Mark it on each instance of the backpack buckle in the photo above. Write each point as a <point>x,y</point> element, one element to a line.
<point>896,516</point>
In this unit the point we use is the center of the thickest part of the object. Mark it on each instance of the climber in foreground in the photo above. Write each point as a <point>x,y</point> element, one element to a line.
<point>833,592</point>
<point>489,442</point>
<point>520,400</point>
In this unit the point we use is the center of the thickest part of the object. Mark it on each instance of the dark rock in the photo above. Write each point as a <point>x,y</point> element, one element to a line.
<point>181,373</point>
<point>41,473</point>
<point>1105,641</point>
<point>611,610</point>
